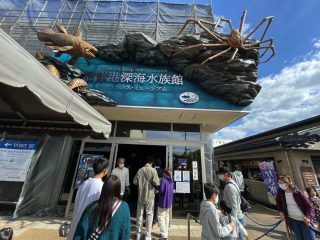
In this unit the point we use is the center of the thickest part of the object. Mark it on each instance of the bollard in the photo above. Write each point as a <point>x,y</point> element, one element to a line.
<point>188,218</point>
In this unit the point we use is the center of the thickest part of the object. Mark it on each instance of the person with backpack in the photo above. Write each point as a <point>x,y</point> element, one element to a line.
<point>147,181</point>
<point>108,218</point>
<point>232,196</point>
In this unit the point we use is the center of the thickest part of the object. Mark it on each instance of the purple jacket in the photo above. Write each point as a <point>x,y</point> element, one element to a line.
<point>301,200</point>
<point>166,192</point>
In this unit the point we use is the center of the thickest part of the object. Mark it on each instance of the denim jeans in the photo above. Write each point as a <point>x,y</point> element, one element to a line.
<point>301,230</point>
<point>155,211</point>
<point>242,221</point>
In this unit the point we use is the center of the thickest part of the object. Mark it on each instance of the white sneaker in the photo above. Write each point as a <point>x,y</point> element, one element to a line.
<point>148,238</point>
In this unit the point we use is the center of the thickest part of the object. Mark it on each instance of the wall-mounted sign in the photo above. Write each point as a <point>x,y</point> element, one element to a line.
<point>15,159</point>
<point>195,170</point>
<point>270,179</point>
<point>133,84</point>
<point>177,176</point>
<point>189,97</point>
<point>308,176</point>
<point>186,176</point>
<point>182,187</point>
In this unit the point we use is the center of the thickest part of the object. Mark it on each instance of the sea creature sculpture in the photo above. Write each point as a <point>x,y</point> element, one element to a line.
<point>296,140</point>
<point>235,41</point>
<point>66,43</point>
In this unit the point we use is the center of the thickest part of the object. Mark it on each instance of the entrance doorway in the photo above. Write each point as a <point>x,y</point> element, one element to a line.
<point>135,156</point>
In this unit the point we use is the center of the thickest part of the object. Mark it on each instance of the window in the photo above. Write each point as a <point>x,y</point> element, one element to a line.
<point>143,130</point>
<point>190,132</point>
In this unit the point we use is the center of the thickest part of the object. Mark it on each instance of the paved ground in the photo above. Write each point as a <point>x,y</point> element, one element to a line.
<point>29,228</point>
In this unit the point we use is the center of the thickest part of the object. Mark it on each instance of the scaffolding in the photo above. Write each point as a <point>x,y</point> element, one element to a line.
<point>102,22</point>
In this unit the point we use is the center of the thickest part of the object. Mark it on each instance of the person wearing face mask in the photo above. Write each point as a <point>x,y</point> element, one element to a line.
<point>123,173</point>
<point>209,216</point>
<point>295,208</point>
<point>232,196</point>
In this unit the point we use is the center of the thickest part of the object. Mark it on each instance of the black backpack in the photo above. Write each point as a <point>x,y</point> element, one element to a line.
<point>245,206</point>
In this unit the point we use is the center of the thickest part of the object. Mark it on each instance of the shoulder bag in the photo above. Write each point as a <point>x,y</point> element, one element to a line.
<point>96,234</point>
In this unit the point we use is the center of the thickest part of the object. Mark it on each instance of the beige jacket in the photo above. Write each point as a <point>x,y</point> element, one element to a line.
<point>146,191</point>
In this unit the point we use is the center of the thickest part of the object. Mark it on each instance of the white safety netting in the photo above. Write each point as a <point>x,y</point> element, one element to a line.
<point>102,22</point>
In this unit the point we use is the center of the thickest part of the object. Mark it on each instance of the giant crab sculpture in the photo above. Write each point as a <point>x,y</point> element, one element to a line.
<point>235,41</point>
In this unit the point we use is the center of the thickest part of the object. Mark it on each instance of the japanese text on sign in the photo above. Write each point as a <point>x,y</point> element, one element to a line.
<point>269,177</point>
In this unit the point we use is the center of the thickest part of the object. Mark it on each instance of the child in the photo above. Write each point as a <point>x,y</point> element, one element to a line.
<point>226,218</point>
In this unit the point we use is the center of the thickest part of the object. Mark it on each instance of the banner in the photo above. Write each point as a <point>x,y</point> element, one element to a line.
<point>15,159</point>
<point>270,179</point>
<point>133,84</point>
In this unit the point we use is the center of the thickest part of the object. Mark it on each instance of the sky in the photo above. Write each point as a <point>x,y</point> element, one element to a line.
<point>291,80</point>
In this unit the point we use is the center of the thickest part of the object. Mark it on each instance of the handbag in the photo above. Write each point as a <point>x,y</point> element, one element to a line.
<point>245,206</point>
<point>155,186</point>
<point>96,234</point>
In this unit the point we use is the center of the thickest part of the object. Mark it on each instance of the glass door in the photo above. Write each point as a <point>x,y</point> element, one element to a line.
<point>186,166</point>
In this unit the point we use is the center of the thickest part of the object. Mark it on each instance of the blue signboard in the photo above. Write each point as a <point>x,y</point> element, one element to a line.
<point>270,179</point>
<point>15,159</point>
<point>133,84</point>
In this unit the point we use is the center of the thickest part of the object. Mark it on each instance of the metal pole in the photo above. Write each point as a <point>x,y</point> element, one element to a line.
<point>73,181</point>
<point>188,217</point>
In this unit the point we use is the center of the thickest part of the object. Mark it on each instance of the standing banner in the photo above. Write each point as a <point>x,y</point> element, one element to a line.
<point>270,179</point>
<point>15,159</point>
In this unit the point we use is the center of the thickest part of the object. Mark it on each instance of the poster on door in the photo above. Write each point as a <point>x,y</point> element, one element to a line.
<point>15,159</point>
<point>270,179</point>
<point>85,169</point>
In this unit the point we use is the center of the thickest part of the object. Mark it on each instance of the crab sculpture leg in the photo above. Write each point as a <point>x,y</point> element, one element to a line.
<point>235,41</point>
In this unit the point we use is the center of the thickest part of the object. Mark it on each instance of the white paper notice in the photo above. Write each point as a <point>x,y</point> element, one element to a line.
<point>177,176</point>
<point>195,170</point>
<point>15,159</point>
<point>182,187</point>
<point>186,176</point>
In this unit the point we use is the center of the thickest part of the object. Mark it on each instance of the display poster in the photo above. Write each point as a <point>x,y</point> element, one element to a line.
<point>186,176</point>
<point>15,159</point>
<point>182,187</point>
<point>182,163</point>
<point>308,176</point>
<point>177,175</point>
<point>195,170</point>
<point>270,179</point>
<point>85,169</point>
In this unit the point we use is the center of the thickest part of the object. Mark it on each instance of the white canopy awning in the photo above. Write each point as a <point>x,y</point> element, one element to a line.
<point>51,99</point>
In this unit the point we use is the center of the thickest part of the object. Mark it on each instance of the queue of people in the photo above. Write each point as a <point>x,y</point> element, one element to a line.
<point>101,211</point>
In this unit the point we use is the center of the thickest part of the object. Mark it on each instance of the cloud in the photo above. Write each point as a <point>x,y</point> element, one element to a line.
<point>317,43</point>
<point>289,96</point>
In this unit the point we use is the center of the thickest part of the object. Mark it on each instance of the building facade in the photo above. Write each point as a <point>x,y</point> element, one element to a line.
<point>159,112</point>
<point>292,150</point>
